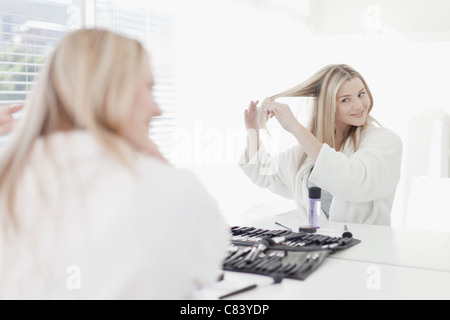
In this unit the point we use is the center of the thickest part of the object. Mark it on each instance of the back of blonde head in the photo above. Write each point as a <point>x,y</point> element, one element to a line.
<point>323,87</point>
<point>89,83</point>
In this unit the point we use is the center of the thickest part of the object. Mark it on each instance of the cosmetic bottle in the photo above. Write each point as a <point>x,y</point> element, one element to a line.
<point>315,206</point>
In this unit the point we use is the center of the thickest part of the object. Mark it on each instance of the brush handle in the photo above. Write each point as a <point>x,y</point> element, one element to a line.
<point>245,289</point>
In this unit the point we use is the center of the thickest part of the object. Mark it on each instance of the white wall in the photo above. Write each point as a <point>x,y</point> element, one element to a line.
<point>227,55</point>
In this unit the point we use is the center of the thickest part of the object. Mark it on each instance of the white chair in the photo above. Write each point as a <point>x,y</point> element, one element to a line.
<point>425,176</point>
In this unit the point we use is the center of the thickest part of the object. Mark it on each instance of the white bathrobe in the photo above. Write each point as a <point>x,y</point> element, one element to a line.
<point>363,183</point>
<point>92,229</point>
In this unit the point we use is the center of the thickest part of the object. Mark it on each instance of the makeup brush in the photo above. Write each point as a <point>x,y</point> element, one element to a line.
<point>347,234</point>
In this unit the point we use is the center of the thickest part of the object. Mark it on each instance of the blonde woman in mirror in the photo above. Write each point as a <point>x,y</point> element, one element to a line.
<point>80,216</point>
<point>344,151</point>
<point>7,121</point>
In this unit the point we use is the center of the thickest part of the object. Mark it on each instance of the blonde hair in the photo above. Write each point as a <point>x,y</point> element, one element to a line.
<point>323,87</point>
<point>89,83</point>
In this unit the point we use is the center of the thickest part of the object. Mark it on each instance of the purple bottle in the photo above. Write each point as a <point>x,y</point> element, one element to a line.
<point>315,206</point>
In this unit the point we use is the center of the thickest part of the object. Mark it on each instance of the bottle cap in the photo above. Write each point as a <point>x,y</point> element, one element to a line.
<point>314,193</point>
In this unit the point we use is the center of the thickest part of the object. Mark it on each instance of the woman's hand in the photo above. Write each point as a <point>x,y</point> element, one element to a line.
<point>283,114</point>
<point>287,120</point>
<point>251,116</point>
<point>252,124</point>
<point>6,118</point>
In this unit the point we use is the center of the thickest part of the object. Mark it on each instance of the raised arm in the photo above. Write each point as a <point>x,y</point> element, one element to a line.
<point>305,138</point>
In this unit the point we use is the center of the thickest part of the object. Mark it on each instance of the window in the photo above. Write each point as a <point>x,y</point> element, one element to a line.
<point>30,29</point>
<point>153,24</point>
<point>28,32</point>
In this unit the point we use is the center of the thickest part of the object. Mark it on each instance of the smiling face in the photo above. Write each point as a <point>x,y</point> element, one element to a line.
<point>352,105</point>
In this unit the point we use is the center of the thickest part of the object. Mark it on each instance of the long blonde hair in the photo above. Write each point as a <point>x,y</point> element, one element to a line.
<point>323,87</point>
<point>89,83</point>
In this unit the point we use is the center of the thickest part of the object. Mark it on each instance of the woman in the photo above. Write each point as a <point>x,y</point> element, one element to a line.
<point>81,217</point>
<point>353,161</point>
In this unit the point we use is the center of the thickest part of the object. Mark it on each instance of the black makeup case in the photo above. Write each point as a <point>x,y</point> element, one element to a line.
<point>280,253</point>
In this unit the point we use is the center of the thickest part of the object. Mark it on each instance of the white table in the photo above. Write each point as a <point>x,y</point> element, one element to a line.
<point>389,263</point>
<point>386,245</point>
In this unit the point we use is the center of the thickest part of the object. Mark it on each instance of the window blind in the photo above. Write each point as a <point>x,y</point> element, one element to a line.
<point>30,29</point>
<point>153,24</point>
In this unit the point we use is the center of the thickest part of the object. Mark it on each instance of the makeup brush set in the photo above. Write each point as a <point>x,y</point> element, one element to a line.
<point>281,253</point>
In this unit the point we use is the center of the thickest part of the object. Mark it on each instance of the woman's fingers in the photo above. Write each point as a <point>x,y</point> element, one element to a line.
<point>252,109</point>
<point>253,105</point>
<point>14,108</point>
<point>270,110</point>
<point>7,120</point>
<point>251,116</point>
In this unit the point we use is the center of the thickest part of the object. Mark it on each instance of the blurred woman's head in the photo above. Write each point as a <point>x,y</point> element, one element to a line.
<point>95,80</point>
<point>91,83</point>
